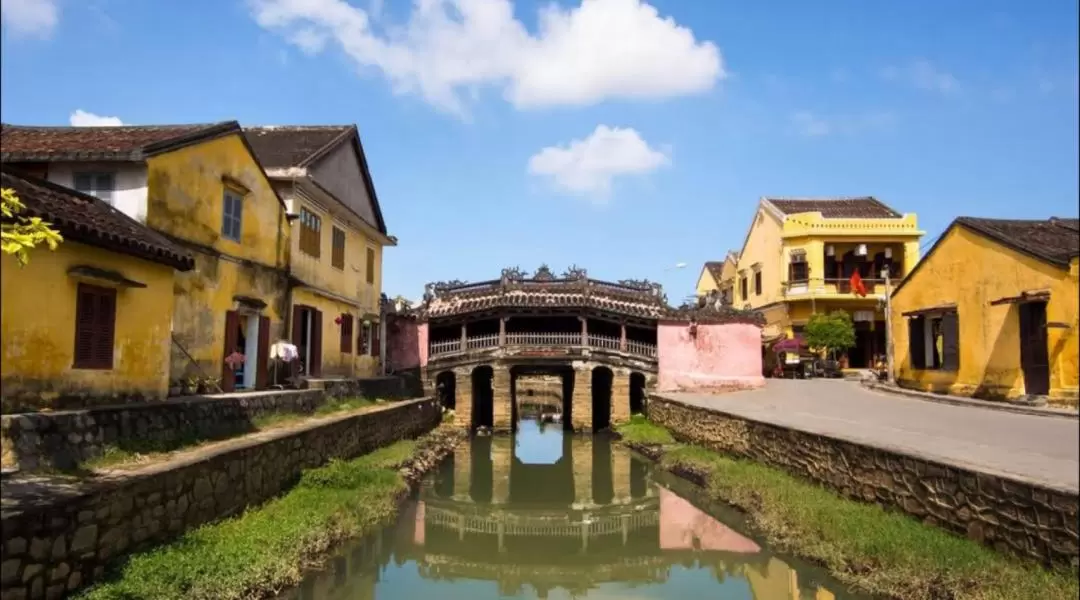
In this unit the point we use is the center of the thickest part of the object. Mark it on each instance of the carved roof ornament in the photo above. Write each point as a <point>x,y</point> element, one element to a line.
<point>543,273</point>
<point>512,275</point>
<point>575,273</point>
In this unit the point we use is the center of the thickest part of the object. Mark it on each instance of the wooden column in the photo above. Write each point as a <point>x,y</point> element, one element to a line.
<point>502,331</point>
<point>622,337</point>
<point>584,331</point>
<point>464,336</point>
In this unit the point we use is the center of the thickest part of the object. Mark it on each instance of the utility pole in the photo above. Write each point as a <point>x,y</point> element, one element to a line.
<point>888,328</point>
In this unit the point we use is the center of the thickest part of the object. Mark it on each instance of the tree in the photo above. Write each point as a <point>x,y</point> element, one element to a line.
<point>21,234</point>
<point>832,332</point>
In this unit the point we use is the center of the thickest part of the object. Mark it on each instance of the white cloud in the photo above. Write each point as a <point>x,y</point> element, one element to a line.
<point>588,166</point>
<point>810,124</point>
<point>923,75</point>
<point>31,18</point>
<point>81,118</point>
<point>447,49</point>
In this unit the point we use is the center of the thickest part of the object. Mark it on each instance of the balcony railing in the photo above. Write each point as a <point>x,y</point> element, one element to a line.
<point>832,286</point>
<point>562,340</point>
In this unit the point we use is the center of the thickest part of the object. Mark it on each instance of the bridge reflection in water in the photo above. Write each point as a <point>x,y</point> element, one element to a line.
<point>545,514</point>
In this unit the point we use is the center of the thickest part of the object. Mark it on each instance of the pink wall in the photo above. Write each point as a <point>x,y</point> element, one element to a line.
<point>722,356</point>
<point>406,343</point>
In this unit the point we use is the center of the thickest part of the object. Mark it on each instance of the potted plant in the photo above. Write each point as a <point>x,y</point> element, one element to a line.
<point>191,385</point>
<point>234,360</point>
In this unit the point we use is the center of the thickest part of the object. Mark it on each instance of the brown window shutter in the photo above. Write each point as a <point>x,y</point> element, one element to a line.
<point>232,327</point>
<point>370,265</point>
<point>346,333</point>
<point>375,340</point>
<point>950,342</point>
<point>262,363</point>
<point>95,327</point>
<point>315,368</point>
<point>917,342</point>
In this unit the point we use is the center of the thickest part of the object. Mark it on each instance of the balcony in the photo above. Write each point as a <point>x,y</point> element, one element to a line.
<point>544,340</point>
<point>836,288</point>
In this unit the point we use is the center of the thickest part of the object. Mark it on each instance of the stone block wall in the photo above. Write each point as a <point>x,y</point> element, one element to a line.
<point>53,547</point>
<point>1024,518</point>
<point>64,439</point>
<point>502,398</point>
<point>390,387</point>
<point>620,397</point>
<point>581,401</point>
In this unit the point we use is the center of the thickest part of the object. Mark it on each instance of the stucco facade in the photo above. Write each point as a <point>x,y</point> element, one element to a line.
<point>984,283</point>
<point>708,356</point>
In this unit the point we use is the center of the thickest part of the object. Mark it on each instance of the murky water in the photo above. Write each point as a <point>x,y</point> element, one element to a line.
<point>548,515</point>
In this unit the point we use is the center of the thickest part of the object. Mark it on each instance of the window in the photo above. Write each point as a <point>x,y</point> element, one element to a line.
<point>101,185</point>
<point>95,327</point>
<point>934,341</point>
<point>743,290</point>
<point>371,265</point>
<point>363,342</point>
<point>346,333</point>
<point>310,232</point>
<point>757,283</point>
<point>232,210</point>
<point>798,271</point>
<point>337,249</point>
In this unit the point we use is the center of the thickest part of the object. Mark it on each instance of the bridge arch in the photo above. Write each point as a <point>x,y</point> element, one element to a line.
<point>446,389</point>
<point>483,396</point>
<point>637,393</point>
<point>602,380</point>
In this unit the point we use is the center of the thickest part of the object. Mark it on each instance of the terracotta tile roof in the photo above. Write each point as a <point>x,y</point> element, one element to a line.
<point>293,145</point>
<point>86,219</point>
<point>123,143</point>
<point>866,207</point>
<point>1054,240</point>
<point>715,269</point>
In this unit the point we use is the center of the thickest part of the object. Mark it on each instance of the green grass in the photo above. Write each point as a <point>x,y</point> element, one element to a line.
<point>877,551</point>
<point>268,548</point>
<point>641,431</point>
<point>138,451</point>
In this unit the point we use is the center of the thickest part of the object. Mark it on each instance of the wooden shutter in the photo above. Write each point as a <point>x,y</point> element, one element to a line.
<point>95,327</point>
<point>346,333</point>
<point>232,328</point>
<point>337,254</point>
<point>950,342</point>
<point>315,368</point>
<point>917,342</point>
<point>375,340</point>
<point>297,333</point>
<point>370,265</point>
<point>263,361</point>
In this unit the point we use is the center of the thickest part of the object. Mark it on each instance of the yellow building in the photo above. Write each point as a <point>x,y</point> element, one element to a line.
<point>991,311</point>
<point>88,323</point>
<point>799,256</point>
<point>201,187</point>
<point>719,276</point>
<point>338,236</point>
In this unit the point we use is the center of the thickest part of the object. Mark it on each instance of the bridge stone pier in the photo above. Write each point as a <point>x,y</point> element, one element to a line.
<point>607,342</point>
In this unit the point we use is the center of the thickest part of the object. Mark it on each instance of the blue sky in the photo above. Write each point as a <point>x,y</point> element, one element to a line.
<point>684,112</point>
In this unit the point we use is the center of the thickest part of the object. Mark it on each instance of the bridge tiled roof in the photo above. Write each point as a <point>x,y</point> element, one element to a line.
<point>571,290</point>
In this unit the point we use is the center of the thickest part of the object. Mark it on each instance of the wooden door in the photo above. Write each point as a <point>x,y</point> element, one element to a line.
<point>263,361</point>
<point>316,337</point>
<point>1034,353</point>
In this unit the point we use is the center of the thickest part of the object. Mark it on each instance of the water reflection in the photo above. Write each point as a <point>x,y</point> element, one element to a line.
<point>548,515</point>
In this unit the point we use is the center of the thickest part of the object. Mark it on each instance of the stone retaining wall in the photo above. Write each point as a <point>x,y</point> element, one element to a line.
<point>65,439</point>
<point>59,542</point>
<point>390,387</point>
<point>1021,517</point>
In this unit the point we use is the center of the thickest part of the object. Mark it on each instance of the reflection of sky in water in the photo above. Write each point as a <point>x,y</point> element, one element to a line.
<point>535,447</point>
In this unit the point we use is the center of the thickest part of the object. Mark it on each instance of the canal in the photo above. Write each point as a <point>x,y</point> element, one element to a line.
<point>543,514</point>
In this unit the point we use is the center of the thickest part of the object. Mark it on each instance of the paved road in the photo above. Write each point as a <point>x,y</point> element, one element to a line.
<point>1037,448</point>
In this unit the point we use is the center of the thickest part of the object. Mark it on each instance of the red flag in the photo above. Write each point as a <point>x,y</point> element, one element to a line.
<point>857,285</point>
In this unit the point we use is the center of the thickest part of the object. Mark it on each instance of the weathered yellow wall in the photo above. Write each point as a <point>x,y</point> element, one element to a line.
<point>971,271</point>
<point>336,363</point>
<point>763,245</point>
<point>38,331</point>
<point>705,282</point>
<point>186,189</point>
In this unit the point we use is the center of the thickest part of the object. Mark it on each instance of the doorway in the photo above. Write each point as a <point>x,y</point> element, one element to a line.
<point>1034,353</point>
<point>307,336</point>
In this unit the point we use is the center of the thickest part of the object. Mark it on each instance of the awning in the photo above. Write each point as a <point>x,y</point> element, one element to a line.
<point>105,276</point>
<point>930,310</point>
<point>1031,296</point>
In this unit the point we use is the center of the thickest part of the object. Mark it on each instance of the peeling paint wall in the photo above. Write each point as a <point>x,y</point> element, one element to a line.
<point>719,356</point>
<point>186,191</point>
<point>970,271</point>
<point>38,331</point>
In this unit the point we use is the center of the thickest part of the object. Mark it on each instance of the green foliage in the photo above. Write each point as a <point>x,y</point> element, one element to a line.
<point>21,234</point>
<point>833,332</point>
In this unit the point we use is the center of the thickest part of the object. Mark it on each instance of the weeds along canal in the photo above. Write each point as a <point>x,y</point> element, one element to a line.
<point>548,514</point>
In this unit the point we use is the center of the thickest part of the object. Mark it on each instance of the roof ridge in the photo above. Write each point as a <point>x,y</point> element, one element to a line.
<point>123,126</point>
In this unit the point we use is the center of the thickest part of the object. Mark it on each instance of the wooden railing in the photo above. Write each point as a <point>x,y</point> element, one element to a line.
<point>547,339</point>
<point>832,286</point>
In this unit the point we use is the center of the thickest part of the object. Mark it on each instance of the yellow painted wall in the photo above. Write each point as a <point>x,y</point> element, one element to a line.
<point>38,331</point>
<point>336,363</point>
<point>705,282</point>
<point>186,190</point>
<point>763,245</point>
<point>971,271</point>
